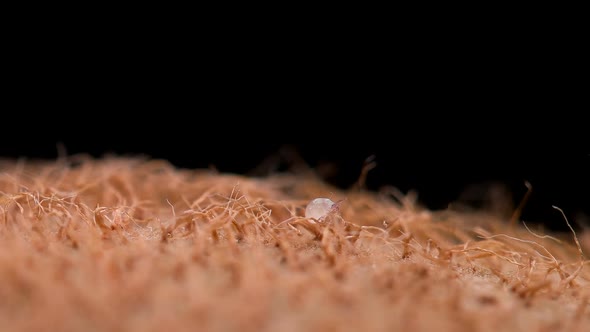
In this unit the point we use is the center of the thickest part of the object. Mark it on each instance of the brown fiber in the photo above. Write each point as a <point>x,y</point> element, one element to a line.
<point>119,244</point>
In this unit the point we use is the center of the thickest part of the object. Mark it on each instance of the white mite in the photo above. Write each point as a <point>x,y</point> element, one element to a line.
<point>319,208</point>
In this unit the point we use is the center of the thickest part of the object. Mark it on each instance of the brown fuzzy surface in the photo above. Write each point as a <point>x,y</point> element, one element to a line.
<point>120,244</point>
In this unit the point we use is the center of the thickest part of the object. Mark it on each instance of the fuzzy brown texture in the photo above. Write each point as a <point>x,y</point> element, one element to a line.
<point>137,245</point>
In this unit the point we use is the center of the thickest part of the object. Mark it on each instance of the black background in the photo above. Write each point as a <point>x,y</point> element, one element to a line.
<point>436,123</point>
